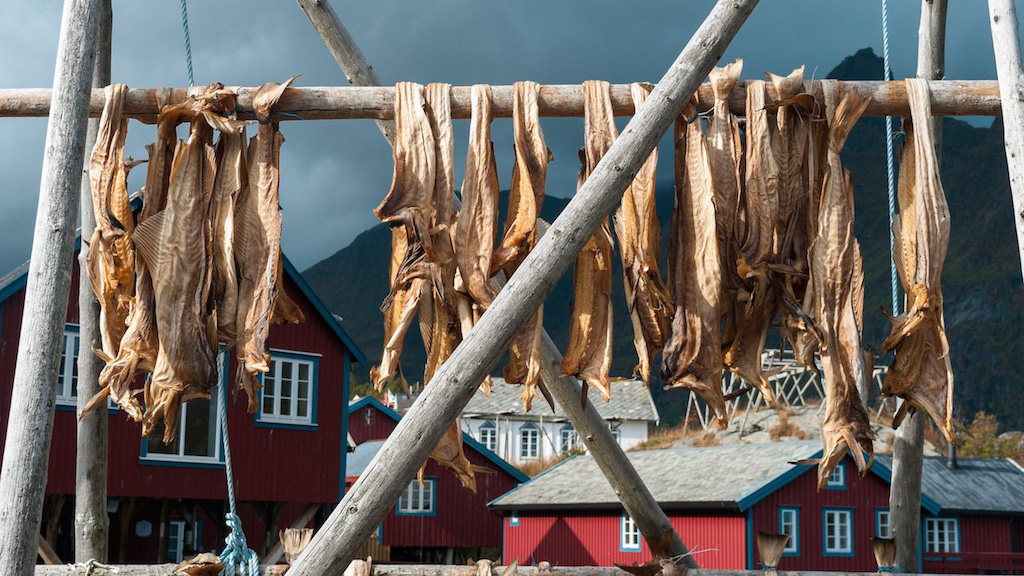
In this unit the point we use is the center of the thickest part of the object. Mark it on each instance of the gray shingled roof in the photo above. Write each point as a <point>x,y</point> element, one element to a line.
<point>974,485</point>
<point>714,477</point>
<point>631,400</point>
<point>359,458</point>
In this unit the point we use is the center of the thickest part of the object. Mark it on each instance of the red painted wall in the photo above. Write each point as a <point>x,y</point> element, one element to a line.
<point>577,540</point>
<point>462,519</point>
<point>270,464</point>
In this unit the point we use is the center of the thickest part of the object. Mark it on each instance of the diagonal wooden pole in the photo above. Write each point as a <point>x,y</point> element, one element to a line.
<point>27,448</point>
<point>91,521</point>
<point>1006,42</point>
<point>376,491</point>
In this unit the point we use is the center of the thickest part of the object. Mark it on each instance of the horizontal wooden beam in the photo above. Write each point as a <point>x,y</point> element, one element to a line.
<point>949,98</point>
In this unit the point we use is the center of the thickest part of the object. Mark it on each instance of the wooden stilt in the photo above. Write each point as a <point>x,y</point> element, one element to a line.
<point>277,551</point>
<point>27,447</point>
<point>1006,41</point>
<point>376,491</point>
<point>91,522</point>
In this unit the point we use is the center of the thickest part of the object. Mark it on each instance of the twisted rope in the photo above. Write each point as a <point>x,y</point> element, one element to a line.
<point>188,43</point>
<point>890,164</point>
<point>237,552</point>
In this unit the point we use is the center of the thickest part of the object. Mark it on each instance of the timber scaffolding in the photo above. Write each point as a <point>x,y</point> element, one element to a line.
<point>364,506</point>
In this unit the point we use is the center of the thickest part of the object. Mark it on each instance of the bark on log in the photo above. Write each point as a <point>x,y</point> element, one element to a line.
<point>1006,41</point>
<point>91,520</point>
<point>27,447</point>
<point>949,98</point>
<point>376,491</point>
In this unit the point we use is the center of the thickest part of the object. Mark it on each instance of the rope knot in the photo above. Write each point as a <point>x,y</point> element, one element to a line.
<point>237,551</point>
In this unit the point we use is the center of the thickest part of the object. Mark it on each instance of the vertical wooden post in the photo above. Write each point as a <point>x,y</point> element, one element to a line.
<point>376,491</point>
<point>27,448</point>
<point>1006,41</point>
<point>908,447</point>
<point>91,520</point>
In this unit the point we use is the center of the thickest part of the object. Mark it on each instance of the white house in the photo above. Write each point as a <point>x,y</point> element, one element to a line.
<point>500,423</point>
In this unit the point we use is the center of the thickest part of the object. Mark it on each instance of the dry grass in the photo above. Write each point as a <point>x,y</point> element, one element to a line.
<point>535,467</point>
<point>708,439</point>
<point>786,429</point>
<point>664,437</point>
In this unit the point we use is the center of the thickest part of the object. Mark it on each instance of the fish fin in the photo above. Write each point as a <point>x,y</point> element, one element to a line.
<point>147,239</point>
<point>94,402</point>
<point>806,462</point>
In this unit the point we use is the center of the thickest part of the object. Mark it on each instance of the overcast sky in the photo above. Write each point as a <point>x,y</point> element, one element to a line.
<point>335,172</point>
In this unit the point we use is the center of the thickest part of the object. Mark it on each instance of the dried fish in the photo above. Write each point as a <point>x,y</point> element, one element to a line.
<point>111,263</point>
<point>231,178</point>
<point>921,373</point>
<point>693,355</point>
<point>838,274</point>
<point>639,233</point>
<point>589,353</point>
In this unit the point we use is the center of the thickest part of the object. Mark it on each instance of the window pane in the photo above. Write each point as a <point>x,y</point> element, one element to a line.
<point>198,428</point>
<point>74,365</point>
<point>303,393</point>
<point>302,409</point>
<point>286,370</point>
<point>304,371</point>
<point>155,443</point>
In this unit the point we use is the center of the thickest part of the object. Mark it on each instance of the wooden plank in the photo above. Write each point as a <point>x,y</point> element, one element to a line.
<point>1006,41</point>
<point>379,487</point>
<point>949,98</point>
<point>27,447</point>
<point>276,553</point>
<point>91,519</point>
<point>47,553</point>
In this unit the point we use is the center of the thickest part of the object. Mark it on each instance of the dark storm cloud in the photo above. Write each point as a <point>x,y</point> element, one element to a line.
<point>335,172</point>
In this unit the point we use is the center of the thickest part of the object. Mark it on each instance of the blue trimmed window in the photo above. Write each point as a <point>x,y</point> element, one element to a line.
<point>629,535</point>
<point>941,535</point>
<point>418,499</point>
<point>288,396</point>
<point>883,523</point>
<point>789,523</point>
<point>837,531</point>
<point>489,436</point>
<point>67,374</point>
<point>529,441</point>
<point>568,438</point>
<point>513,519</point>
<point>837,480</point>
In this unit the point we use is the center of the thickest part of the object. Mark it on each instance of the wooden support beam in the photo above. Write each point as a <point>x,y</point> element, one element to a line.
<point>91,520</point>
<point>377,489</point>
<point>1006,41</point>
<point>27,447</point>
<point>949,98</point>
<point>47,553</point>
<point>276,553</point>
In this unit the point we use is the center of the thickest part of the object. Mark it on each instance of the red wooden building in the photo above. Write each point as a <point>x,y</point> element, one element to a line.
<point>169,501</point>
<point>972,513</point>
<point>440,521</point>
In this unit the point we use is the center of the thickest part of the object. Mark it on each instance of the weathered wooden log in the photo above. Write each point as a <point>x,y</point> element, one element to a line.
<point>91,519</point>
<point>1006,41</point>
<point>949,98</point>
<point>377,489</point>
<point>27,447</point>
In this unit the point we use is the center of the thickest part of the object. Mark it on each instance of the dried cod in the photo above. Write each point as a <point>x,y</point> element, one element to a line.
<point>693,355</point>
<point>589,353</point>
<point>230,179</point>
<point>639,233</point>
<point>921,373</point>
<point>838,274</point>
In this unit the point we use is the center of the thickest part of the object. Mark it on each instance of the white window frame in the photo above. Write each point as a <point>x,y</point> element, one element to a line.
<point>568,438</point>
<point>489,435</point>
<point>615,432</point>
<point>176,541</point>
<point>629,535</point>
<point>274,416</point>
<point>836,544</point>
<point>418,499</point>
<point>180,456</point>
<point>883,529</point>
<point>67,377</point>
<point>837,479</point>
<point>789,517</point>
<point>529,448</point>
<point>948,528</point>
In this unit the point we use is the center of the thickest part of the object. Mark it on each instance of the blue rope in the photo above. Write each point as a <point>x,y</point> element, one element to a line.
<point>890,569</point>
<point>890,165</point>
<point>237,551</point>
<point>188,43</point>
<point>767,566</point>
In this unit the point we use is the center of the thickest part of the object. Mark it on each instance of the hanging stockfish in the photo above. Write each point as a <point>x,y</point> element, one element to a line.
<point>589,354</point>
<point>258,243</point>
<point>639,233</point>
<point>921,373</point>
<point>111,262</point>
<point>526,196</point>
<point>838,274</point>
<point>693,355</point>
<point>232,176</point>
<point>759,208</point>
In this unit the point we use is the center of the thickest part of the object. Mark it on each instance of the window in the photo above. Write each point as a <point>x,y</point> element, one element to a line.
<point>838,532</point>
<point>529,441</point>
<point>789,523</point>
<point>630,538</point>
<point>418,499</point>
<point>489,436</point>
<point>288,393</point>
<point>67,375</point>
<point>198,440</point>
<point>615,431</point>
<point>883,528</point>
<point>941,535</point>
<point>569,439</point>
<point>176,541</point>
<point>837,480</point>
<point>513,520</point>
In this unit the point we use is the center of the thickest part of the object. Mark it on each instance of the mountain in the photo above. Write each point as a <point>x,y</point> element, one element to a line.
<point>981,278</point>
